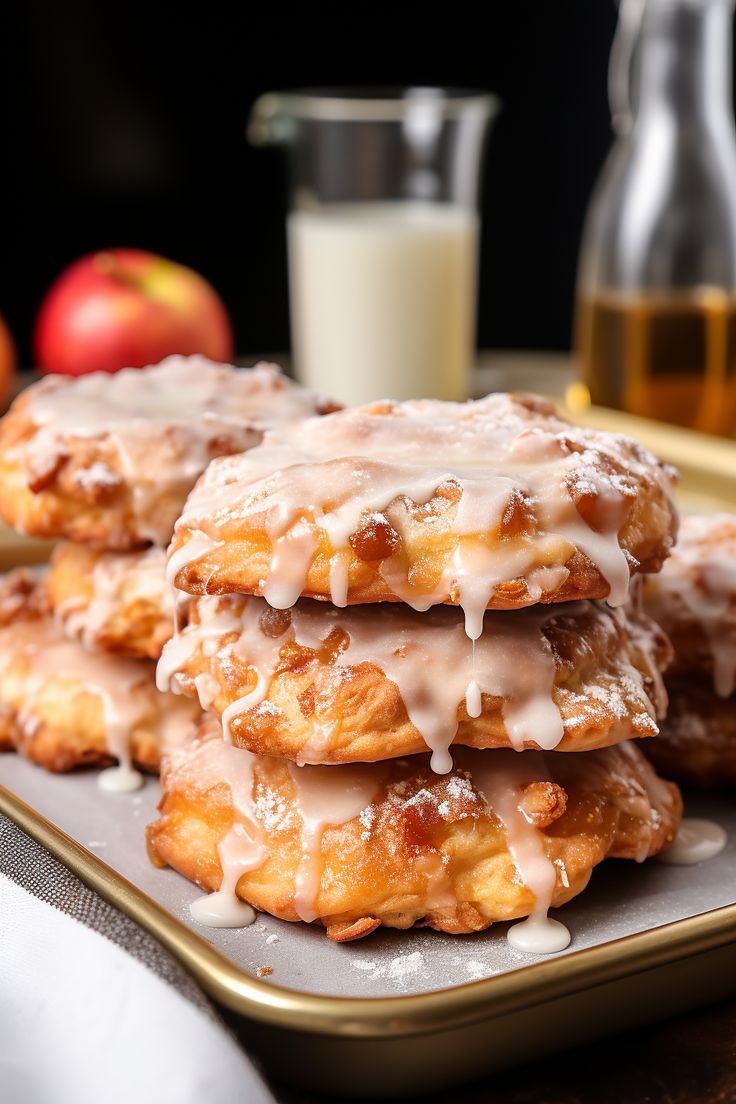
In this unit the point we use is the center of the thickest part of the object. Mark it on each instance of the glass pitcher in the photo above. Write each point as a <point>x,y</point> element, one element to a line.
<point>382,235</point>
<point>656,309</point>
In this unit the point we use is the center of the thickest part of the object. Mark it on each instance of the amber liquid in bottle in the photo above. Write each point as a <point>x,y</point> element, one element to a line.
<point>669,356</point>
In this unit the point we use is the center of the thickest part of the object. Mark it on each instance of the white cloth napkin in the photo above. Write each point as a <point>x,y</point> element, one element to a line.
<point>92,1009</point>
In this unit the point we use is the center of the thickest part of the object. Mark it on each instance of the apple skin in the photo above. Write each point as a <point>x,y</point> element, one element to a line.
<point>125,308</point>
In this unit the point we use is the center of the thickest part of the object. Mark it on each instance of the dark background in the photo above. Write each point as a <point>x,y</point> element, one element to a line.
<point>125,126</point>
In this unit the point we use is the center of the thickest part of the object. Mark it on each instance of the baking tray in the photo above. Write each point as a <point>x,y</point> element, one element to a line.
<point>412,1012</point>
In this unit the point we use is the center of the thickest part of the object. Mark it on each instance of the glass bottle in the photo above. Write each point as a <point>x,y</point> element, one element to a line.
<point>656,309</point>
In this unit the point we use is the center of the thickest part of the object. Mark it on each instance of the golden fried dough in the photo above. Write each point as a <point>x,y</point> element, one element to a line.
<point>496,503</point>
<point>109,460</point>
<point>395,844</point>
<point>116,602</point>
<point>694,599</point>
<point>63,707</point>
<point>320,685</point>
<point>697,742</point>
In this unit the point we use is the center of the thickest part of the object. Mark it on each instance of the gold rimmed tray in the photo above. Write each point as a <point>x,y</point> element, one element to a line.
<point>413,1011</point>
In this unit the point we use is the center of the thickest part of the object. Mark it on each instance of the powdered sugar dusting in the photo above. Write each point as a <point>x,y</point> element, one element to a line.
<point>402,970</point>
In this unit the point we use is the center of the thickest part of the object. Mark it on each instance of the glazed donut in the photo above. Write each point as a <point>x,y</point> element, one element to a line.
<point>115,602</point>
<point>108,460</point>
<point>317,684</point>
<point>694,599</point>
<point>496,503</point>
<point>504,835</point>
<point>697,742</point>
<point>64,707</point>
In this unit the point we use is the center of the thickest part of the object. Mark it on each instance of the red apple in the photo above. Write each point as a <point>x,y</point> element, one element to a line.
<point>7,363</point>
<point>124,308</point>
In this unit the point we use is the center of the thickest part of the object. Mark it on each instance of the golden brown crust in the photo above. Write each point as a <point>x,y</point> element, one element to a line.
<point>242,561</point>
<point>94,477</point>
<point>697,742</point>
<point>60,743</point>
<point>427,850</point>
<point>411,547</point>
<point>63,707</point>
<point>606,677</point>
<point>112,602</point>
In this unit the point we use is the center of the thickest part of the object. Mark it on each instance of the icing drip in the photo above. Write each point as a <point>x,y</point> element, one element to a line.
<point>499,460</point>
<point>339,580</point>
<point>696,841</point>
<point>242,849</point>
<point>373,795</point>
<point>196,547</point>
<point>292,551</point>
<point>223,909</point>
<point>163,423</point>
<point>428,658</point>
<point>217,620</point>
<point>538,934</point>
<point>321,797</point>
<point>473,699</point>
<point>263,660</point>
<point>323,802</point>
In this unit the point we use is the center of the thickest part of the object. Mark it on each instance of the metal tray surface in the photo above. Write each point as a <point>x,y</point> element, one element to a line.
<point>407,1012</point>
<point>622,899</point>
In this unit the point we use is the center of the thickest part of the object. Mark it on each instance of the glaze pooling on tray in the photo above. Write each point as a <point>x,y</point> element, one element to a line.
<point>500,788</point>
<point>491,503</point>
<point>572,675</point>
<point>501,837</point>
<point>124,450</point>
<point>697,840</point>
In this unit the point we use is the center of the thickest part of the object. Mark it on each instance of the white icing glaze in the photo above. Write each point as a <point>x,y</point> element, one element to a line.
<point>242,848</point>
<point>700,580</point>
<point>323,800</point>
<point>427,656</point>
<point>696,841</point>
<point>197,546</point>
<point>124,688</point>
<point>325,796</point>
<point>539,935</point>
<point>331,473</point>
<point>164,423</point>
<point>501,787</point>
<point>117,578</point>
<point>473,697</point>
<point>120,779</point>
<point>223,909</point>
